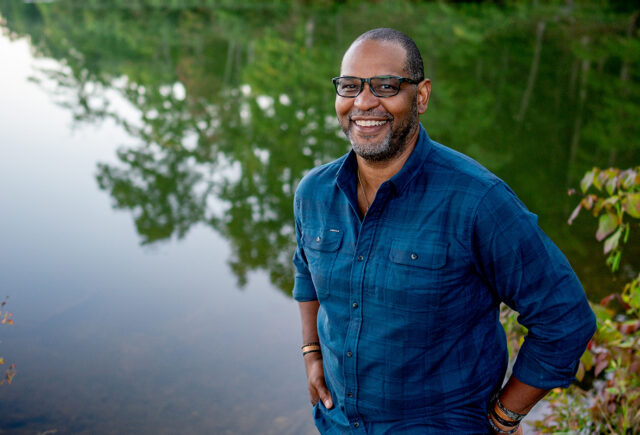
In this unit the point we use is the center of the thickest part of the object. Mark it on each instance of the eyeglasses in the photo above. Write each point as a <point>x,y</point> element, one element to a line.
<point>381,86</point>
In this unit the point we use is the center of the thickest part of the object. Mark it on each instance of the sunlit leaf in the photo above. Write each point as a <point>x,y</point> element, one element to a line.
<point>574,214</point>
<point>599,179</point>
<point>628,178</point>
<point>586,181</point>
<point>632,205</point>
<point>606,225</point>
<point>613,241</point>
<point>580,372</point>
<point>587,360</point>
<point>611,185</point>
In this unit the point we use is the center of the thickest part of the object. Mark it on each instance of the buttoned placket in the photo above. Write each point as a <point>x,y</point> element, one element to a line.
<point>364,244</point>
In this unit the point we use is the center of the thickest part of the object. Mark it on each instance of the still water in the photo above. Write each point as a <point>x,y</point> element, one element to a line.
<point>111,336</point>
<point>148,159</point>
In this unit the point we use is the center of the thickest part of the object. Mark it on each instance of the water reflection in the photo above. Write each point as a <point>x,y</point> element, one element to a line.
<point>228,107</point>
<point>235,105</point>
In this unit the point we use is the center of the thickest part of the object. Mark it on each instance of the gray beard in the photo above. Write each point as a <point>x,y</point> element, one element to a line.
<point>391,145</point>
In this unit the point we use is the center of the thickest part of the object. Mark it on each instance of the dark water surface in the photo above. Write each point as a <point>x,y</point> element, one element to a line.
<point>148,159</point>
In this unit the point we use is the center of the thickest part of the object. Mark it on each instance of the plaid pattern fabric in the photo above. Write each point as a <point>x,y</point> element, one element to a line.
<point>409,296</point>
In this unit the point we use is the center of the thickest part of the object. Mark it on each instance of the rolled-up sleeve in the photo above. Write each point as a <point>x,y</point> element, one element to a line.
<point>303,289</point>
<point>527,271</point>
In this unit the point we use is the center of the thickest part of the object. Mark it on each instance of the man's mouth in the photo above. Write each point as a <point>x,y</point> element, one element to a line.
<point>368,122</point>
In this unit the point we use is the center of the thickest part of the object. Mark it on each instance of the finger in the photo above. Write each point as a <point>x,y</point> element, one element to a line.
<point>325,396</point>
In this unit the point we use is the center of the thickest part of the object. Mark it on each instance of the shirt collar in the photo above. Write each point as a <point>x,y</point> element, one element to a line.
<point>414,163</point>
<point>399,181</point>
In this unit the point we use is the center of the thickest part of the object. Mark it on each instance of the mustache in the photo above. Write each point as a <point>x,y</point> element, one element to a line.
<point>372,113</point>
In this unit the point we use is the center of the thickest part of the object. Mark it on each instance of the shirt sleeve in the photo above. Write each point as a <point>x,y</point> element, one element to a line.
<point>528,272</point>
<point>303,288</point>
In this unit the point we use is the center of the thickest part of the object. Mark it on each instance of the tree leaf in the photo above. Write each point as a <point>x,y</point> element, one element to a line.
<point>587,360</point>
<point>611,185</point>
<point>632,205</point>
<point>606,225</point>
<point>600,177</point>
<point>580,372</point>
<point>613,241</point>
<point>574,214</point>
<point>586,181</point>
<point>628,178</point>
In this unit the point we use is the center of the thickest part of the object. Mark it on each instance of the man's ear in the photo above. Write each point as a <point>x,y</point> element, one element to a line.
<point>424,91</point>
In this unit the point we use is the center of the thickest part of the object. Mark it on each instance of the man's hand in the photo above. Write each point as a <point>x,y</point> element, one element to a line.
<point>315,378</point>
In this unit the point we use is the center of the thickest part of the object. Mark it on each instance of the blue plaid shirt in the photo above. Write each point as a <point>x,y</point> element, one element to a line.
<point>409,296</point>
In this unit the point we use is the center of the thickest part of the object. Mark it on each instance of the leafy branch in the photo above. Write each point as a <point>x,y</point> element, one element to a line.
<point>623,198</point>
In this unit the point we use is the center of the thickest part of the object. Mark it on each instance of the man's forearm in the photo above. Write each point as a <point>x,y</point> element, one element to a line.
<point>308,317</point>
<point>313,360</point>
<point>520,397</point>
<point>515,400</point>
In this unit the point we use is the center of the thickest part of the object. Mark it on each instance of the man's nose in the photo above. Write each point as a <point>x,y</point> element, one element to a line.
<point>366,100</point>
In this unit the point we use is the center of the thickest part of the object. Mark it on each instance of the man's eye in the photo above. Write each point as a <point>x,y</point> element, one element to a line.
<point>348,86</point>
<point>387,86</point>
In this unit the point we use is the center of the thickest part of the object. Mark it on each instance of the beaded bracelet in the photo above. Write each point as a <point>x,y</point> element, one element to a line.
<point>498,430</point>
<point>511,414</point>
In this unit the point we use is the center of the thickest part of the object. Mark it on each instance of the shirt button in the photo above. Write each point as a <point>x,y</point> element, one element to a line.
<point>414,256</point>
<point>360,258</point>
<point>356,424</point>
<point>355,305</point>
<point>318,238</point>
<point>349,354</point>
<point>349,394</point>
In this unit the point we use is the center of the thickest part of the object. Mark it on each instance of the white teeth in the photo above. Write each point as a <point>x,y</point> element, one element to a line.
<point>368,123</point>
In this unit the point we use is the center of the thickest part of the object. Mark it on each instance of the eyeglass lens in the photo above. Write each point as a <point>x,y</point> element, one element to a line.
<point>381,86</point>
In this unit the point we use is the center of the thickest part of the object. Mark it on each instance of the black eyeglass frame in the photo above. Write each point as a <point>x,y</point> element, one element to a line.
<point>368,80</point>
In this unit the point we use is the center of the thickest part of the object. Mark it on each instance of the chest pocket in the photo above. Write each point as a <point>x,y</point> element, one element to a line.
<point>415,274</point>
<point>321,248</point>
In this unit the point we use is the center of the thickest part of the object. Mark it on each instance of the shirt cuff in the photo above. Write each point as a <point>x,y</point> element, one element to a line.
<point>537,373</point>
<point>303,289</point>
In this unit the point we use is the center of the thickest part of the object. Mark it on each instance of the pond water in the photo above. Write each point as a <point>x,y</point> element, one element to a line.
<point>148,159</point>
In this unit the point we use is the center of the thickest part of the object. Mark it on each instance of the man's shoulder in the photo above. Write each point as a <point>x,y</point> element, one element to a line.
<point>320,176</point>
<point>450,166</point>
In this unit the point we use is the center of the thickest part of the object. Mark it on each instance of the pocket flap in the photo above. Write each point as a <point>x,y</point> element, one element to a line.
<point>427,254</point>
<point>326,240</point>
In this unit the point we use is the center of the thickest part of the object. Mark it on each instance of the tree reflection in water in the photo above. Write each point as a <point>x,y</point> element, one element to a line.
<point>235,104</point>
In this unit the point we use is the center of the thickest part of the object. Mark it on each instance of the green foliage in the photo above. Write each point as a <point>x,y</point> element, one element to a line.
<point>610,401</point>
<point>617,198</point>
<point>235,101</point>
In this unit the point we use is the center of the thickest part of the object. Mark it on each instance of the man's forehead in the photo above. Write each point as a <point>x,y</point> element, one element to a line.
<point>376,56</point>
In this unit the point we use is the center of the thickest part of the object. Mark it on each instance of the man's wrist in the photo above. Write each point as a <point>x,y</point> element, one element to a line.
<point>503,420</point>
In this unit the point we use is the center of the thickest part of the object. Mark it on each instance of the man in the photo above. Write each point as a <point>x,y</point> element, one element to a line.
<point>405,250</point>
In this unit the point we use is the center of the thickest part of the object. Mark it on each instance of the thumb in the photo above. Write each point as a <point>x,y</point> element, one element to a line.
<point>325,396</point>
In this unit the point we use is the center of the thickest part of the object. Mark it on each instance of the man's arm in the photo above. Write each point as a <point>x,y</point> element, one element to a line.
<point>313,361</point>
<point>518,397</point>
<point>530,274</point>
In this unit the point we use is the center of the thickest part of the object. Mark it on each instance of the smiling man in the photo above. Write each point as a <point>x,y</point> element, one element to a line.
<point>405,250</point>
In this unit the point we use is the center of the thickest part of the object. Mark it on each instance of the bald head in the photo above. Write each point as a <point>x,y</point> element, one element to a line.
<point>413,60</point>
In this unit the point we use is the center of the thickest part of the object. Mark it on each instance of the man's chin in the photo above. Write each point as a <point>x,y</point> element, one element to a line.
<point>378,153</point>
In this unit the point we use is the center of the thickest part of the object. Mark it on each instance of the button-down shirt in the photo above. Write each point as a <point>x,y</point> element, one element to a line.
<point>409,294</point>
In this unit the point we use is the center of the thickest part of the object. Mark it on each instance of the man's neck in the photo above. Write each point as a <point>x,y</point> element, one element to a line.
<point>373,174</point>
